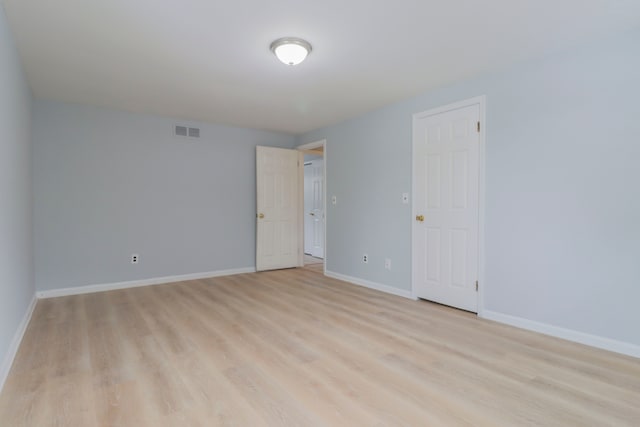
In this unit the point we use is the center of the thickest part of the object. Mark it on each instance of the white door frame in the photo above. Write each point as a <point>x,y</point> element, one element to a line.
<point>481,101</point>
<point>310,146</point>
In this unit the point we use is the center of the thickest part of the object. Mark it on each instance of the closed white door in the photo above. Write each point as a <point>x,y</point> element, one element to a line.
<point>446,212</point>
<point>279,231</point>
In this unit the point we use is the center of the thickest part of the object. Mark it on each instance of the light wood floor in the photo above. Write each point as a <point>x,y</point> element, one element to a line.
<point>295,348</point>
<point>311,260</point>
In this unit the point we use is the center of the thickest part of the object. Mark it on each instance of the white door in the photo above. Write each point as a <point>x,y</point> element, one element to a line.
<point>279,231</point>
<point>316,212</point>
<point>308,207</point>
<point>446,213</point>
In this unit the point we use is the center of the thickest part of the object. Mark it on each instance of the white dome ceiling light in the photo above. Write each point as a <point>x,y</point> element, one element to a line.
<point>291,50</point>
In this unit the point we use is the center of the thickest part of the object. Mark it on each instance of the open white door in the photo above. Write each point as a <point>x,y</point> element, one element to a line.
<point>279,225</point>
<point>314,208</point>
<point>308,207</point>
<point>446,206</point>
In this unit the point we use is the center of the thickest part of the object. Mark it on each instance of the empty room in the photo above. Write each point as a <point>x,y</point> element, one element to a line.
<point>337,213</point>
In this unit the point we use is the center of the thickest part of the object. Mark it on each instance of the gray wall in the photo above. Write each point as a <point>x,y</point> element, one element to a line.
<point>109,184</point>
<point>562,189</point>
<point>16,254</point>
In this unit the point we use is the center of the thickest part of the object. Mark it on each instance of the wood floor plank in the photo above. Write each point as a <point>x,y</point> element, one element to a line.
<point>294,347</point>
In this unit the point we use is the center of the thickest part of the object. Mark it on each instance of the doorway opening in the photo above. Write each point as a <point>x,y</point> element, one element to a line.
<point>314,205</point>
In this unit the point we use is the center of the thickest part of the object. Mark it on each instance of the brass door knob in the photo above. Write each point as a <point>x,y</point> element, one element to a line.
<point>261,215</point>
<point>420,218</point>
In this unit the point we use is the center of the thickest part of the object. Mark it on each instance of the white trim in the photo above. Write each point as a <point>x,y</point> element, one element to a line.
<point>309,146</point>
<point>15,343</point>
<point>137,283</point>
<point>567,334</point>
<point>453,106</point>
<point>300,209</point>
<point>481,101</point>
<point>481,201</point>
<point>312,145</point>
<point>371,285</point>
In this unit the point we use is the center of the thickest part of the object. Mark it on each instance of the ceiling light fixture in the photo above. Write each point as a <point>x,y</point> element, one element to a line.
<point>291,50</point>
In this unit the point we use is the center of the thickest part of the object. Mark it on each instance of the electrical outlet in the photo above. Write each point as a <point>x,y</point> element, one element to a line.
<point>387,263</point>
<point>135,258</point>
<point>365,258</point>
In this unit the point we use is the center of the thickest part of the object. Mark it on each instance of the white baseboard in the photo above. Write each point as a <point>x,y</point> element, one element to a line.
<point>371,285</point>
<point>15,343</point>
<point>137,283</point>
<point>567,334</point>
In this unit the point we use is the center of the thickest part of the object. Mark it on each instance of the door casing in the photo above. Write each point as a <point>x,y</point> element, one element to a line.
<point>310,146</point>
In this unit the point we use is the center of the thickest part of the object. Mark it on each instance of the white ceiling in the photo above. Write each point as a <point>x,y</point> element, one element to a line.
<point>210,60</point>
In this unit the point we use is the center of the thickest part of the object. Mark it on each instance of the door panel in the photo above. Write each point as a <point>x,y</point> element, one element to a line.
<point>459,250</point>
<point>446,176</point>
<point>278,211</point>
<point>432,255</point>
<point>433,181</point>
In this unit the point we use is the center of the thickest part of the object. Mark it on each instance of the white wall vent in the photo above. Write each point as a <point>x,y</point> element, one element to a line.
<point>180,131</point>
<point>185,131</point>
<point>194,132</point>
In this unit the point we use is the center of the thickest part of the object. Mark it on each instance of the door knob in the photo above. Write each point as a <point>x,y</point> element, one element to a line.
<point>420,218</point>
<point>260,215</point>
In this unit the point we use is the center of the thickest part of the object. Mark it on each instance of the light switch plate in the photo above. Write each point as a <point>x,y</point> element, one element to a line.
<point>334,200</point>
<point>405,198</point>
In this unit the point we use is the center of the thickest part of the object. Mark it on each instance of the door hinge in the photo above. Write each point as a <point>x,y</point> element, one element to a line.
<point>478,127</point>
<point>476,286</point>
